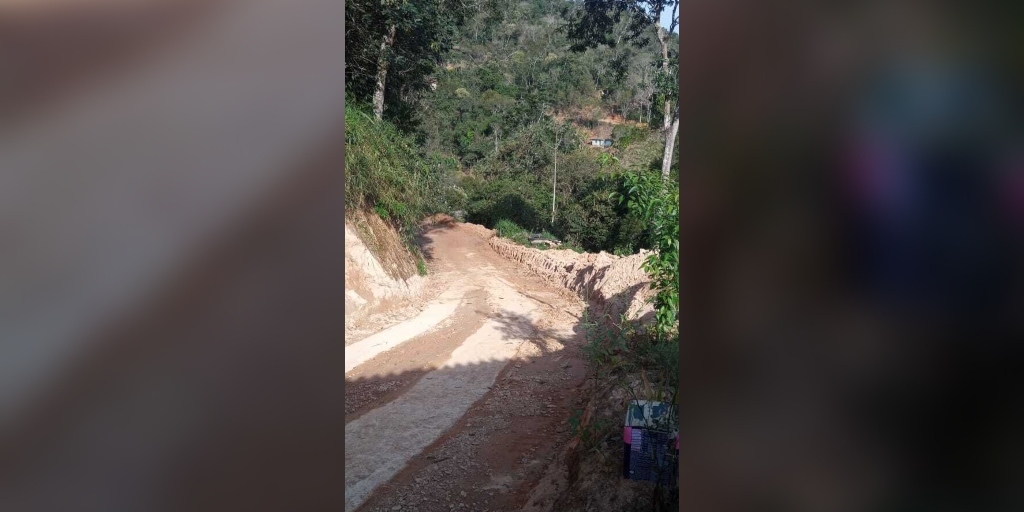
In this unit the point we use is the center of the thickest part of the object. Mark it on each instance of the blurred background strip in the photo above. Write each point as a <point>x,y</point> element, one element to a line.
<point>141,144</point>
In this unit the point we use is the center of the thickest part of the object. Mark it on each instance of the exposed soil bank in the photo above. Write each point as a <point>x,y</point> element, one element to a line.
<point>612,285</point>
<point>379,269</point>
<point>587,477</point>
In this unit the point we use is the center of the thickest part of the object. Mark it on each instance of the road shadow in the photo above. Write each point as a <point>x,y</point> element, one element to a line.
<point>539,392</point>
<point>518,326</point>
<point>423,238</point>
<point>516,423</point>
<point>366,392</point>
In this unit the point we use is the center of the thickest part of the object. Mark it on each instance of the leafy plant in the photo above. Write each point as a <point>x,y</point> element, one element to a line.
<point>589,434</point>
<point>507,228</point>
<point>657,204</point>
<point>386,175</point>
<point>510,230</point>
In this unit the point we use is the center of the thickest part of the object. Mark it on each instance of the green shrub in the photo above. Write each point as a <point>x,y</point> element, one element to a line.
<point>625,135</point>
<point>606,345</point>
<point>506,228</point>
<point>385,173</point>
<point>623,250</point>
<point>656,202</point>
<point>572,244</point>
<point>521,201</point>
<point>510,230</point>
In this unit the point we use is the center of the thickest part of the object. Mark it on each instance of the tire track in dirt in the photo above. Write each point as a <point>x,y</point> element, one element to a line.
<point>381,442</point>
<point>389,375</point>
<point>408,405</point>
<point>434,314</point>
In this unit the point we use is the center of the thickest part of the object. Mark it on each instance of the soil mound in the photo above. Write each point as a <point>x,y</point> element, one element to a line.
<point>614,285</point>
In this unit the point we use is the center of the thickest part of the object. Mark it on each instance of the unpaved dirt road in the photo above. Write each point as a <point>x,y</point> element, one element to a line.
<point>464,406</point>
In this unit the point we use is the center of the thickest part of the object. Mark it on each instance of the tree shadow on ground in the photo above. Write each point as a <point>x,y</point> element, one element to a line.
<point>518,326</point>
<point>555,376</point>
<point>594,462</point>
<point>423,239</point>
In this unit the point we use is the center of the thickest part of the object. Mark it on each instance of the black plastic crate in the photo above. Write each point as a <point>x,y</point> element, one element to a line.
<point>650,443</point>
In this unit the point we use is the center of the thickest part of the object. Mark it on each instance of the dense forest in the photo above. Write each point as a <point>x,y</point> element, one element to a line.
<point>488,108</point>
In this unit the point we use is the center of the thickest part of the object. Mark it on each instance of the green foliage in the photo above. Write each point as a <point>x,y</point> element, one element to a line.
<point>384,172</point>
<point>589,220</point>
<point>625,135</point>
<point>586,218</point>
<point>421,266</point>
<point>521,201</point>
<point>592,24</point>
<point>589,434</point>
<point>484,139</point>
<point>511,68</point>
<point>644,152</point>
<point>623,250</point>
<point>608,345</point>
<point>574,246</point>
<point>508,229</point>
<point>424,31</point>
<point>596,24</point>
<point>657,204</point>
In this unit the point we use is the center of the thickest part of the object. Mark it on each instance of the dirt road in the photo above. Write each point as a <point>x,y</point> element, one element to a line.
<point>463,406</point>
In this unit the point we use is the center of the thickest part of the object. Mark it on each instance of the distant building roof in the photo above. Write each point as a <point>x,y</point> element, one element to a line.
<point>601,131</point>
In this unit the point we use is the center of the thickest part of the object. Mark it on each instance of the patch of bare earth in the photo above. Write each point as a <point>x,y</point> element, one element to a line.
<point>494,457</point>
<point>382,282</point>
<point>388,375</point>
<point>516,447</point>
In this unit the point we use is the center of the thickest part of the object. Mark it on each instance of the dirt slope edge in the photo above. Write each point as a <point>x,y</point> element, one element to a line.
<point>611,285</point>
<point>576,480</point>
<point>379,269</point>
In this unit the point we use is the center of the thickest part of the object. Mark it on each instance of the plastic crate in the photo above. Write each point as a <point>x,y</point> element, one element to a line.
<point>650,443</point>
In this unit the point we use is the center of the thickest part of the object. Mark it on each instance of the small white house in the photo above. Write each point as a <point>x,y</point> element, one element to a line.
<point>601,135</point>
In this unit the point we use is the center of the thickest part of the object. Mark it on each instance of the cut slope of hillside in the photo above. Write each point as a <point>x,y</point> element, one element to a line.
<point>379,269</point>
<point>612,285</point>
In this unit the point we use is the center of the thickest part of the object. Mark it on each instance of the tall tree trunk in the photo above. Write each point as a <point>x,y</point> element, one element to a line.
<point>382,72</point>
<point>663,39</point>
<point>671,122</point>
<point>554,184</point>
<point>670,143</point>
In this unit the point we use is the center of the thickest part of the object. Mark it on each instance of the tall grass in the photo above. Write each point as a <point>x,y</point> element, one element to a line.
<point>384,173</point>
<point>508,229</point>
